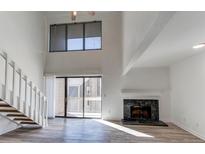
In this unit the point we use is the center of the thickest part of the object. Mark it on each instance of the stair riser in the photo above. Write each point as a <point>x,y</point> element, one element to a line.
<point>15,115</point>
<point>9,111</point>
<point>22,119</point>
<point>32,123</point>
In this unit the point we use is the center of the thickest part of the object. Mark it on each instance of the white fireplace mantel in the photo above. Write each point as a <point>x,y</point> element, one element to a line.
<point>141,94</point>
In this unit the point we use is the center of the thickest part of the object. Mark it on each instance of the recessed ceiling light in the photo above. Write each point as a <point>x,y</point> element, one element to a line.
<point>201,45</point>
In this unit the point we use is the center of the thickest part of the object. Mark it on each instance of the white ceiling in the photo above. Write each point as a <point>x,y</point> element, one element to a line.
<point>84,14</point>
<point>175,41</point>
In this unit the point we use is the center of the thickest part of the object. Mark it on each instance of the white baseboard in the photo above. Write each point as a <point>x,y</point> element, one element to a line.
<point>189,130</point>
<point>165,120</point>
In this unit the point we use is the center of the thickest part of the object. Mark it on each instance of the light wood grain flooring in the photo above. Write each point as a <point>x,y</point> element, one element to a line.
<point>91,131</point>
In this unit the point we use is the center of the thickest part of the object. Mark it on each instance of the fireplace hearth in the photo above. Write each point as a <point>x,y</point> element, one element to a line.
<point>142,111</point>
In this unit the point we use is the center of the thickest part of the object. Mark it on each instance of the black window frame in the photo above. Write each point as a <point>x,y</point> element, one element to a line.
<point>66,37</point>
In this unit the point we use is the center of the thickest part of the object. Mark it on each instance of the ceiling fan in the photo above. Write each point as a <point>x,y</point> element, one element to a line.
<point>74,14</point>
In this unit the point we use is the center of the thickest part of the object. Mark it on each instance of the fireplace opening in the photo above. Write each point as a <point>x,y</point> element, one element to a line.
<point>140,112</point>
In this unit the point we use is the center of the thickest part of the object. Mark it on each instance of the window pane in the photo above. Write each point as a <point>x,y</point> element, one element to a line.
<point>93,43</point>
<point>93,35</point>
<point>75,37</point>
<point>58,38</point>
<point>75,44</point>
<point>93,29</point>
<point>73,91</point>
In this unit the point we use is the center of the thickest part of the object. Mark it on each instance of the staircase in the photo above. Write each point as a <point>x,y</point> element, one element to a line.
<point>20,100</point>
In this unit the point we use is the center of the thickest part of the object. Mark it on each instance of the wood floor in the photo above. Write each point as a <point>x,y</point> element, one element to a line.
<point>91,131</point>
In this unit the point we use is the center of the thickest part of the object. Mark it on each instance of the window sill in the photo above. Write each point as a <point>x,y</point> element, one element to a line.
<point>77,51</point>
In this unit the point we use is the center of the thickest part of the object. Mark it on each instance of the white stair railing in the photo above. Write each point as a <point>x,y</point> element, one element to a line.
<point>23,94</point>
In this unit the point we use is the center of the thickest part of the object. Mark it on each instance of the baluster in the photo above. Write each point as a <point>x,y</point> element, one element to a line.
<point>31,91</point>
<point>43,110</point>
<point>25,103</point>
<point>39,108</point>
<point>6,77</point>
<point>13,83</point>
<point>35,104</point>
<point>20,85</point>
<point>46,113</point>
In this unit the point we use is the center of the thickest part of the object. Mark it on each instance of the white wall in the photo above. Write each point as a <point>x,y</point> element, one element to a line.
<point>147,79</point>
<point>23,38</point>
<point>187,94</point>
<point>106,62</point>
<point>136,24</point>
<point>150,83</point>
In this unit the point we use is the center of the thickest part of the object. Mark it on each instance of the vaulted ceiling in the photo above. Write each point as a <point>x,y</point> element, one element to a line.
<point>169,39</point>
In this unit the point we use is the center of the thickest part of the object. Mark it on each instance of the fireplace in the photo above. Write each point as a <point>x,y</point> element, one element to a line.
<point>142,111</point>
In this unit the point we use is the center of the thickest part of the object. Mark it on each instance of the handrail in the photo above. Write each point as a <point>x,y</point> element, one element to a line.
<point>34,100</point>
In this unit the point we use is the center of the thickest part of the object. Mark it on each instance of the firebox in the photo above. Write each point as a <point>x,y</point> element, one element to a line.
<point>140,112</point>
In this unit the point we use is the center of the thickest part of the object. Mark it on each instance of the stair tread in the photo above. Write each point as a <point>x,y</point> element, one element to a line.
<point>4,105</point>
<point>9,107</point>
<point>14,113</point>
<point>2,101</point>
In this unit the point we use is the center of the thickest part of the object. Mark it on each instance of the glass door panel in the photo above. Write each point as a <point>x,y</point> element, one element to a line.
<point>92,100</point>
<point>74,97</point>
<point>60,97</point>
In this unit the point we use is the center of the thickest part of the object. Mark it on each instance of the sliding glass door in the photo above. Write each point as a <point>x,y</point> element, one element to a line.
<point>78,97</point>
<point>74,97</point>
<point>92,106</point>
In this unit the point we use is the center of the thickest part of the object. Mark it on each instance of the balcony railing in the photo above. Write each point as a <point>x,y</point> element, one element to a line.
<point>17,90</point>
